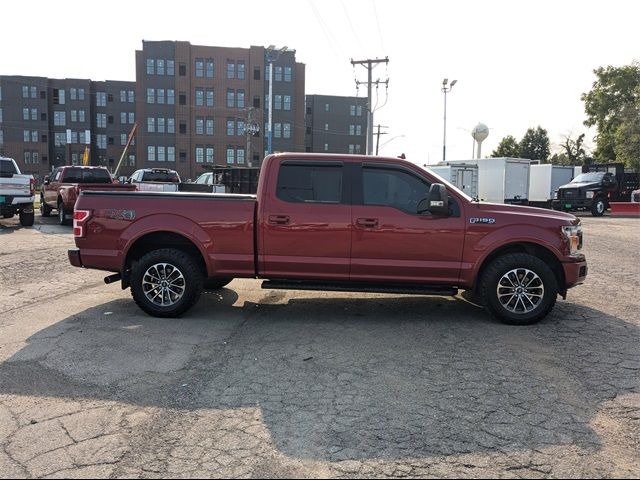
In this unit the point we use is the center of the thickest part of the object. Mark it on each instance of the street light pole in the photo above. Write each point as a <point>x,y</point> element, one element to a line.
<point>445,90</point>
<point>272,55</point>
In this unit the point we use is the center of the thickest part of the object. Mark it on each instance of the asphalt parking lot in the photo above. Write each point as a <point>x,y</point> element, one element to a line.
<point>257,383</point>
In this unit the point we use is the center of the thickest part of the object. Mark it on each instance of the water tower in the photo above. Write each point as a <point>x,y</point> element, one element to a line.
<point>480,133</point>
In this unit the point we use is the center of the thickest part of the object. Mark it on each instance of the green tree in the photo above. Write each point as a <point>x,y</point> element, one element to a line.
<point>627,136</point>
<point>574,150</point>
<point>508,147</point>
<point>615,89</point>
<point>535,145</point>
<point>560,159</point>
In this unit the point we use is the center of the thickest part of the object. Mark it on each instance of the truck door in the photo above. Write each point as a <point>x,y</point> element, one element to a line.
<point>391,242</point>
<point>305,222</point>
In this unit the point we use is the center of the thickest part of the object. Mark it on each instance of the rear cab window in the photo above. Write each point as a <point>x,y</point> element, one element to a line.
<point>7,168</point>
<point>79,175</point>
<point>161,176</point>
<point>308,182</point>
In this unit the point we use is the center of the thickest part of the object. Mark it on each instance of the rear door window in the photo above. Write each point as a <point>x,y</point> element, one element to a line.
<point>312,183</point>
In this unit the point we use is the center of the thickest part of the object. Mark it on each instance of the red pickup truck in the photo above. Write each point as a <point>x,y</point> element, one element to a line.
<point>61,189</point>
<point>332,222</point>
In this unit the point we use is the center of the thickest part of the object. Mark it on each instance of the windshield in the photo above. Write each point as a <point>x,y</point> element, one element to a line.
<point>93,175</point>
<point>588,177</point>
<point>161,176</point>
<point>447,184</point>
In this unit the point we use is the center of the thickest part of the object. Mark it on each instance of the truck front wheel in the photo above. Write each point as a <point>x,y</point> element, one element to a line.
<point>62,215</point>
<point>166,282</point>
<point>519,289</point>
<point>598,207</point>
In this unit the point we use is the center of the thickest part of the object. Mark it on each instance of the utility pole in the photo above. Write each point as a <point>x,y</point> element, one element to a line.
<point>378,136</point>
<point>250,129</point>
<point>369,64</point>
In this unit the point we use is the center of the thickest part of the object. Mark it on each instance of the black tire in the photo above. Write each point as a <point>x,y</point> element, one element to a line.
<point>191,283</point>
<point>543,298</point>
<point>45,210</point>
<point>62,215</point>
<point>216,283</point>
<point>598,207</point>
<point>27,219</point>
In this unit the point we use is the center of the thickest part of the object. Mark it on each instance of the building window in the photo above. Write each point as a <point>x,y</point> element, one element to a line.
<point>101,99</point>
<point>25,91</point>
<point>199,97</point>
<point>230,155</point>
<point>359,110</point>
<point>151,124</point>
<point>81,94</point>
<point>151,95</point>
<point>101,120</point>
<point>25,114</point>
<point>278,75</point>
<point>199,126</point>
<point>231,69</point>
<point>132,117</point>
<point>151,153</point>
<point>183,128</point>
<point>277,130</point>
<point>199,67</point>
<point>123,96</point>
<point>34,114</point>
<point>59,139</point>
<point>230,128</point>
<point>286,130</point>
<point>209,68</point>
<point>84,138</point>
<point>150,66</point>
<point>277,102</point>
<point>210,126</point>
<point>123,139</point>
<point>352,129</point>
<point>59,119</point>
<point>171,154</point>
<point>101,141</point>
<point>160,96</point>
<point>240,98</point>
<point>287,102</point>
<point>326,127</point>
<point>26,136</point>
<point>81,116</point>
<point>239,127</point>
<point>256,73</point>
<point>231,95</point>
<point>161,124</point>
<point>171,125</point>
<point>74,159</point>
<point>326,147</point>
<point>73,94</point>
<point>358,129</point>
<point>209,157</point>
<point>199,154</point>
<point>357,148</point>
<point>182,69</point>
<point>171,68</point>
<point>240,70</point>
<point>160,67</point>
<point>256,102</point>
<point>161,152</point>
<point>352,110</point>
<point>27,157</point>
<point>351,148</point>
<point>123,118</point>
<point>1,137</point>
<point>287,74</point>
<point>210,97</point>
<point>171,97</point>
<point>240,156</point>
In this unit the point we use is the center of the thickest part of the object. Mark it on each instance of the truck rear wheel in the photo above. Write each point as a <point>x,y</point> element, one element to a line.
<point>598,208</point>
<point>519,289</point>
<point>166,282</point>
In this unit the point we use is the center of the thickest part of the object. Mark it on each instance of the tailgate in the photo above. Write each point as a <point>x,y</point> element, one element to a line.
<point>15,186</point>
<point>105,187</point>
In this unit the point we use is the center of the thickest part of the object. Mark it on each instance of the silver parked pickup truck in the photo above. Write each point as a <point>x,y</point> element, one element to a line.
<point>17,192</point>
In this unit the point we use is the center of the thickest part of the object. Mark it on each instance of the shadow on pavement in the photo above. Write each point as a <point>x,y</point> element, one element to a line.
<point>341,378</point>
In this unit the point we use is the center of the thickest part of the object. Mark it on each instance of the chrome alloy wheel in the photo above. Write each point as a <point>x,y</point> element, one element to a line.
<point>163,284</point>
<point>520,290</point>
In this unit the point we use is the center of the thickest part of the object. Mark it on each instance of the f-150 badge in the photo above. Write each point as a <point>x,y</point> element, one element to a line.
<point>486,221</point>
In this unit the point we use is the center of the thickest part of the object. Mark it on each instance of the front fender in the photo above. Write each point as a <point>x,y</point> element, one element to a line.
<point>477,252</point>
<point>170,223</point>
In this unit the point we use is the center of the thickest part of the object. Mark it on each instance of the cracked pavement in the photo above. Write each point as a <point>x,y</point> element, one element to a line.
<point>258,383</point>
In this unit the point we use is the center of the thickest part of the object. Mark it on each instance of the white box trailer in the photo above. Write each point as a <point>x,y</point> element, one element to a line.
<point>501,180</point>
<point>544,181</point>
<point>465,177</point>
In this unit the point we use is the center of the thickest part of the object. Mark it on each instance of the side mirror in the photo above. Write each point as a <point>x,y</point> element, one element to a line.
<point>437,202</point>
<point>46,180</point>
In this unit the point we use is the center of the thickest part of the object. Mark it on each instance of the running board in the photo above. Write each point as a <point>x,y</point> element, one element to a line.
<point>359,287</point>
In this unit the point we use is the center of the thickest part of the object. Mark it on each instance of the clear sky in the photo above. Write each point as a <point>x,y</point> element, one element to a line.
<point>518,64</point>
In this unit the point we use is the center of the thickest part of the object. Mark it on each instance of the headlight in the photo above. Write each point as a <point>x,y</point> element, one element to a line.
<point>590,194</point>
<point>573,234</point>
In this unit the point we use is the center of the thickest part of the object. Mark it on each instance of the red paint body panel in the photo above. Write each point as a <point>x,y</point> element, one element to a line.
<point>264,236</point>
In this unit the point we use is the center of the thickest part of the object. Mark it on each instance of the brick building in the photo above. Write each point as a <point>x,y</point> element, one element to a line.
<point>335,124</point>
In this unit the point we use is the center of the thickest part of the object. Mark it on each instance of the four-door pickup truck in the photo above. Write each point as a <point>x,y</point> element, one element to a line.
<point>332,222</point>
<point>61,189</point>
<point>17,192</point>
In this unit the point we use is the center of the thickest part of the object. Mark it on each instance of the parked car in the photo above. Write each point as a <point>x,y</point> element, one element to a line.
<point>155,180</point>
<point>17,192</point>
<point>61,189</point>
<point>332,222</point>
